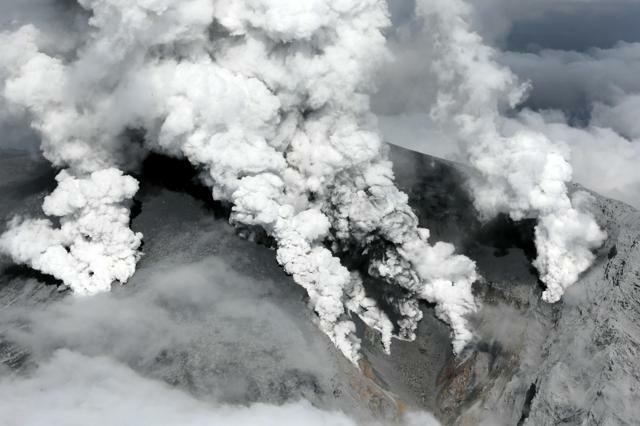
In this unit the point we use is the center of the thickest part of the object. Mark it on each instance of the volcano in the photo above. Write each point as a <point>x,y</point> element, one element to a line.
<point>209,313</point>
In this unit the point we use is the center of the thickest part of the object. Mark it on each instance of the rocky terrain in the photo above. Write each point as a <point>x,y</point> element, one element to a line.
<point>230,326</point>
<point>574,362</point>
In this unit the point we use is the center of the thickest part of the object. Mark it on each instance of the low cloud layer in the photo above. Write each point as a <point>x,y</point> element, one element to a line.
<point>72,389</point>
<point>75,390</point>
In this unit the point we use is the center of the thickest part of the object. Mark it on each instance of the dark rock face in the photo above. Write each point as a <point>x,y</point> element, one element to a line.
<point>213,314</point>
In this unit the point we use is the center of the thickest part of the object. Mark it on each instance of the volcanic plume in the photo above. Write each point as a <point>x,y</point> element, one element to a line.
<point>270,100</point>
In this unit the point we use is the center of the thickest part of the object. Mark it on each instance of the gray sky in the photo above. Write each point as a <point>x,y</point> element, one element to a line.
<point>578,27</point>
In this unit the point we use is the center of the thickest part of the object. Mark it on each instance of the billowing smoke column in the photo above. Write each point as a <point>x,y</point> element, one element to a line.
<point>520,173</point>
<point>269,98</point>
<point>93,246</point>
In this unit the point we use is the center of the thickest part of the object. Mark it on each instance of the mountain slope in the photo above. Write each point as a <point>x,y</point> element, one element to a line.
<point>213,314</point>
<point>575,362</point>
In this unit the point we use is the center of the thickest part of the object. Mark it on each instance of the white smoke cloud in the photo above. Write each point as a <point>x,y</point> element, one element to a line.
<point>93,246</point>
<point>270,100</point>
<point>521,173</point>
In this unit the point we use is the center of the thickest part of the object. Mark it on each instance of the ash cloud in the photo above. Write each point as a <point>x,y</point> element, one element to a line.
<point>528,122</point>
<point>521,173</point>
<point>93,246</point>
<point>270,100</point>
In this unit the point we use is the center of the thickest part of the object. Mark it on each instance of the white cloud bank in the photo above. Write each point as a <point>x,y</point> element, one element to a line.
<point>76,390</point>
<point>270,100</point>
